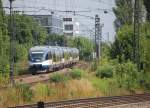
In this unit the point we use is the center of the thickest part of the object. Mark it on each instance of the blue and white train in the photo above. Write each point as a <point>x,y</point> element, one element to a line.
<point>51,58</point>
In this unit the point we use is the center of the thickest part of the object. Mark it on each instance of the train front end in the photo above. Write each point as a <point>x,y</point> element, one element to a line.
<point>37,60</point>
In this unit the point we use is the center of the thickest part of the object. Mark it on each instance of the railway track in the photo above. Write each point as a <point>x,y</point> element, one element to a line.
<point>99,102</point>
<point>33,79</point>
<point>39,78</point>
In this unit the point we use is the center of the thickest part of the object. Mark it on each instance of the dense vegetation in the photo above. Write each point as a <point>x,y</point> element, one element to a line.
<point>122,47</point>
<point>115,71</point>
<point>29,33</point>
<point>147,5</point>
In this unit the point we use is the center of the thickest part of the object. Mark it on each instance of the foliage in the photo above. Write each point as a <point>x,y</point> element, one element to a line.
<point>124,75</point>
<point>28,33</point>
<point>58,78</point>
<point>106,86</point>
<point>123,12</point>
<point>106,47</point>
<point>28,30</point>
<point>85,46</point>
<point>122,48</point>
<point>105,71</point>
<point>147,5</point>
<point>76,73</point>
<point>25,92</point>
<point>4,75</point>
<point>41,90</point>
<point>147,81</point>
<point>144,46</point>
<point>127,75</point>
<point>123,44</point>
<point>54,39</point>
<point>4,40</point>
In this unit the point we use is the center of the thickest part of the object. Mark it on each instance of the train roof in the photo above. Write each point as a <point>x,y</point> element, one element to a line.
<point>39,48</point>
<point>47,48</point>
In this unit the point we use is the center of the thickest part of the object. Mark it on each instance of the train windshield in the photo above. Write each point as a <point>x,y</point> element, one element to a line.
<point>36,56</point>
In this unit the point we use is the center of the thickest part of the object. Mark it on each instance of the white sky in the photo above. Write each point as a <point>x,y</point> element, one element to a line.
<point>80,5</point>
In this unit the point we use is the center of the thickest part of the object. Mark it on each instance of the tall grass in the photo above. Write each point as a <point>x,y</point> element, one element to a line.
<point>108,87</point>
<point>24,94</point>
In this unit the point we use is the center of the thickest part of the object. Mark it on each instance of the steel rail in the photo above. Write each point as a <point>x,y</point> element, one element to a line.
<point>95,102</point>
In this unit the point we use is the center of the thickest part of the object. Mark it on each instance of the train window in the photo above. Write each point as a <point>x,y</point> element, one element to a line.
<point>38,56</point>
<point>46,57</point>
<point>54,57</point>
<point>49,55</point>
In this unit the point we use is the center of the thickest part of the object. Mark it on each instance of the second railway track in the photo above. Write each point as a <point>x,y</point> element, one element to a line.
<point>99,102</point>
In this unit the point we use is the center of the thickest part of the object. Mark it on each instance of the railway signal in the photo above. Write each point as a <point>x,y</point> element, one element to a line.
<point>98,36</point>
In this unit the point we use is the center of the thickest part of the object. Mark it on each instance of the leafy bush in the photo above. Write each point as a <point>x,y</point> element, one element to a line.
<point>25,92</point>
<point>76,73</point>
<point>105,71</point>
<point>127,75</point>
<point>58,78</point>
<point>144,79</point>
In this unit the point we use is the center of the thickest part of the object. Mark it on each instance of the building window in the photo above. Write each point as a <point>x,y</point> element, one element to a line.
<point>67,19</point>
<point>69,27</point>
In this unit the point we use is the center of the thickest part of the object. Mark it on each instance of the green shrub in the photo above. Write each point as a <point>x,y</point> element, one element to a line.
<point>76,73</point>
<point>127,75</point>
<point>144,78</point>
<point>25,92</point>
<point>42,90</point>
<point>58,78</point>
<point>105,71</point>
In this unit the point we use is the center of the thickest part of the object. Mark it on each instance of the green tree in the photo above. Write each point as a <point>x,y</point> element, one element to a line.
<point>54,39</point>
<point>85,46</point>
<point>122,47</point>
<point>123,12</point>
<point>147,5</point>
<point>28,33</point>
<point>145,46</point>
<point>4,40</point>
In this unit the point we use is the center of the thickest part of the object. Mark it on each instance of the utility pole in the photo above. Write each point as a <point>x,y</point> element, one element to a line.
<point>12,43</point>
<point>136,37</point>
<point>98,36</point>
